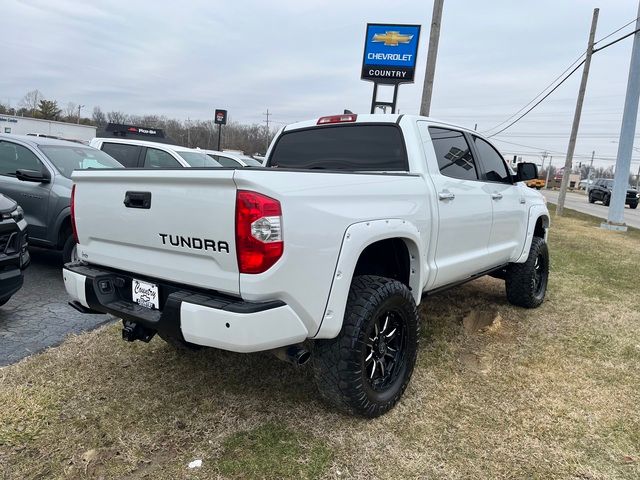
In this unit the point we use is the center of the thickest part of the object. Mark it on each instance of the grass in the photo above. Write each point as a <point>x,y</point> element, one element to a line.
<point>546,393</point>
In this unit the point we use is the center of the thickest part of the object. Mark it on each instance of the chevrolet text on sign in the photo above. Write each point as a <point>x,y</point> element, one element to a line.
<point>390,53</point>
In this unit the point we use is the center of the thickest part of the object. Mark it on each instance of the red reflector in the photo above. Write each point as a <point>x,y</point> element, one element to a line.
<point>73,213</point>
<point>256,255</point>
<point>337,119</point>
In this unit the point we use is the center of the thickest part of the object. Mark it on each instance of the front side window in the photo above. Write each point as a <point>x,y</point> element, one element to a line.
<point>155,158</point>
<point>495,169</point>
<point>66,159</point>
<point>16,157</point>
<point>454,156</point>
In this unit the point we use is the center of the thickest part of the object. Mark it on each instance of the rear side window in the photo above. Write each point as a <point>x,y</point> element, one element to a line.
<point>225,161</point>
<point>352,147</point>
<point>154,158</point>
<point>494,166</point>
<point>127,155</point>
<point>453,153</point>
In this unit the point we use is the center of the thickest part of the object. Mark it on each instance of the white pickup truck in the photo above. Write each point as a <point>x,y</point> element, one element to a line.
<point>324,253</point>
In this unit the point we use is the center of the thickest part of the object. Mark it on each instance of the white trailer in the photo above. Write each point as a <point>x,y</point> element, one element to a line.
<point>25,126</point>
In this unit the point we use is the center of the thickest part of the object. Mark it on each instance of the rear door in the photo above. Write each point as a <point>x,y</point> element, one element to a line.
<point>509,224</point>
<point>128,155</point>
<point>464,206</point>
<point>176,226</point>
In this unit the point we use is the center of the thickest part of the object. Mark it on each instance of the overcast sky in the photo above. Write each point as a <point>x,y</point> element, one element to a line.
<point>301,59</point>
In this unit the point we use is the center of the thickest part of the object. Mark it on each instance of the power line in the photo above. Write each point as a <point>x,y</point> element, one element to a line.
<point>615,31</point>
<point>539,101</point>
<point>562,81</point>
<point>616,41</point>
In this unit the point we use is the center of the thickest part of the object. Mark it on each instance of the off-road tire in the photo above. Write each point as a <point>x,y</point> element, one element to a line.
<point>633,206</point>
<point>526,285</point>
<point>606,200</point>
<point>340,364</point>
<point>67,249</point>
<point>591,199</point>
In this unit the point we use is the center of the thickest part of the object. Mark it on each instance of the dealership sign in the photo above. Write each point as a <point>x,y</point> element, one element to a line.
<point>221,117</point>
<point>390,53</point>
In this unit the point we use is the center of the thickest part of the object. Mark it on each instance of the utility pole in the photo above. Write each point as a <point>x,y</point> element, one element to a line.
<point>79,107</point>
<point>576,117</point>
<point>544,157</point>
<point>432,54</point>
<point>267,114</point>
<point>615,218</point>
<point>546,182</point>
<point>593,154</point>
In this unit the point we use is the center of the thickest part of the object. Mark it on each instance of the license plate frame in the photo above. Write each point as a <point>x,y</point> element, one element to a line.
<point>145,294</point>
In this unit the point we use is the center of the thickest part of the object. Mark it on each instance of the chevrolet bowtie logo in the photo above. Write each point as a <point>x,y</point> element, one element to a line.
<point>392,39</point>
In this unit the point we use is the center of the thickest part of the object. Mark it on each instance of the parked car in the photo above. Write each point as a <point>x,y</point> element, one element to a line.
<point>326,256</point>
<point>146,154</point>
<point>602,189</point>
<point>14,255</point>
<point>235,160</point>
<point>585,184</point>
<point>36,172</point>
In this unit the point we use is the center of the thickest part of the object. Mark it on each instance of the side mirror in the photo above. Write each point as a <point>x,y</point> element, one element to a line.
<point>32,176</point>
<point>526,171</point>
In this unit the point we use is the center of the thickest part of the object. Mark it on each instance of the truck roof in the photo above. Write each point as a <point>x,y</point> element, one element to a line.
<point>145,143</point>
<point>35,140</point>
<point>376,118</point>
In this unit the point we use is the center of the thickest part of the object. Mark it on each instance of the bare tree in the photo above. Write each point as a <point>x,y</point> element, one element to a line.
<point>98,117</point>
<point>71,112</point>
<point>117,117</point>
<point>31,100</point>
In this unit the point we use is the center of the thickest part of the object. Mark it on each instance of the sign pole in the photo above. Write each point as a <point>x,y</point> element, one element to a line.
<point>219,136</point>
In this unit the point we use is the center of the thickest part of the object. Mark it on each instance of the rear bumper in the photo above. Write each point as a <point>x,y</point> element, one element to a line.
<point>199,317</point>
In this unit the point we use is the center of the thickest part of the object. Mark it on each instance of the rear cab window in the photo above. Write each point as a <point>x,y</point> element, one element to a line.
<point>359,147</point>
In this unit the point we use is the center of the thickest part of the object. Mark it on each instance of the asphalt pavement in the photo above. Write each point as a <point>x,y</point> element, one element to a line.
<point>579,202</point>
<point>38,316</point>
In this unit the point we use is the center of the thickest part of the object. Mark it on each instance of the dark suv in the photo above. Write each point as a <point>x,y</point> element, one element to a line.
<point>14,256</point>
<point>601,191</point>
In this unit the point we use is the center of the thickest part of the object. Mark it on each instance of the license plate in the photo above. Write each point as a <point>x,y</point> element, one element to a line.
<point>145,294</point>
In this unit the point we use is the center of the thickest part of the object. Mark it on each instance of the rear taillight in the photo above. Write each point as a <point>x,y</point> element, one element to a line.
<point>258,232</point>
<point>350,117</point>
<point>73,213</point>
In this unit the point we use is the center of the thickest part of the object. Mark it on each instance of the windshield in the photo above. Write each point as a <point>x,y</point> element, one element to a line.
<point>196,159</point>
<point>67,158</point>
<point>251,162</point>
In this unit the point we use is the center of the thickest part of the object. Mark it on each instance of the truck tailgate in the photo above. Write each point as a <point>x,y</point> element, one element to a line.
<point>186,233</point>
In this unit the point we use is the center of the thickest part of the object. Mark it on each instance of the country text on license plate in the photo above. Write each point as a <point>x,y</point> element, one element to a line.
<point>145,294</point>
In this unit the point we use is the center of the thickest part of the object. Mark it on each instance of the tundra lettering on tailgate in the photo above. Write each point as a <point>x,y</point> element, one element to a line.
<point>194,243</point>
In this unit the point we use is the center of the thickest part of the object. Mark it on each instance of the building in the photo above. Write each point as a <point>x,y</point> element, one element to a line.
<point>26,126</point>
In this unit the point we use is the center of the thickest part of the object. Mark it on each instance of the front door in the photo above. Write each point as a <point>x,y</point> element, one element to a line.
<point>33,197</point>
<point>509,208</point>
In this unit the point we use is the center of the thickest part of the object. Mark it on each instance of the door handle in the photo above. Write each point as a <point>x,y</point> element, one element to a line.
<point>137,200</point>
<point>496,196</point>
<point>446,195</point>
